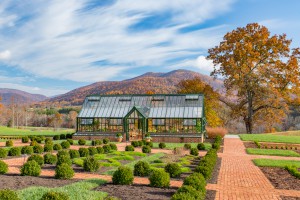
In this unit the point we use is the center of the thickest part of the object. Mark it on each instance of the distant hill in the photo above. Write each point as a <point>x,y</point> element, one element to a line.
<point>154,82</point>
<point>19,96</point>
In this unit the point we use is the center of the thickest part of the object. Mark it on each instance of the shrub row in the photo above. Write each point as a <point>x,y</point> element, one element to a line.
<point>62,136</point>
<point>217,143</point>
<point>293,170</point>
<point>207,163</point>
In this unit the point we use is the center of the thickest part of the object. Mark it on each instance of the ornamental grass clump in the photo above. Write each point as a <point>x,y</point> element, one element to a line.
<point>159,178</point>
<point>28,150</point>
<point>141,168</point>
<point>173,169</point>
<point>129,148</point>
<point>64,171</point>
<point>51,195</point>
<point>3,167</point>
<point>50,159</point>
<point>90,164</point>
<point>123,176</point>
<point>31,168</point>
<point>37,158</point>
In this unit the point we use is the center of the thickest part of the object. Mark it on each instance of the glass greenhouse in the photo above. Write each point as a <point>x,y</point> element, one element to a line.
<point>168,115</point>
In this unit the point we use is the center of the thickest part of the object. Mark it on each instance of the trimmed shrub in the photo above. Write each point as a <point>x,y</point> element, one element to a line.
<point>159,178</point>
<point>150,144</point>
<point>27,150</point>
<point>14,151</point>
<point>183,196</point>
<point>65,145</point>
<point>3,153</point>
<point>293,170</point>
<point>194,151</point>
<point>33,143</point>
<point>37,158</point>
<point>197,181</point>
<point>39,139</point>
<point>38,149</point>
<point>217,146</point>
<point>100,150</point>
<point>50,159</point>
<point>64,159</point>
<point>71,142</point>
<point>31,168</point>
<point>48,141</point>
<point>113,147</point>
<point>64,171</point>
<point>146,149</point>
<point>106,148</point>
<point>141,168</point>
<point>129,148</point>
<point>84,152</point>
<point>123,176</point>
<point>92,151</point>
<point>74,153</point>
<point>7,194</point>
<point>162,145</point>
<point>90,164</point>
<point>201,146</point>
<point>173,169</point>
<point>56,137</point>
<point>9,143</point>
<point>57,147</point>
<point>63,153</point>
<point>96,142</point>
<point>48,147</point>
<point>69,135</point>
<point>204,170</point>
<point>25,139</point>
<point>141,143</point>
<point>188,192</point>
<point>62,136</point>
<point>187,146</point>
<point>106,141</point>
<point>3,167</point>
<point>51,195</point>
<point>135,143</point>
<point>81,142</point>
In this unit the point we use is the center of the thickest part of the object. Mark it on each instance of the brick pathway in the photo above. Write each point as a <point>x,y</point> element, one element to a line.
<point>239,178</point>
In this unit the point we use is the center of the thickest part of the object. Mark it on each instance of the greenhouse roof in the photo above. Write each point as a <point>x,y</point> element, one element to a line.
<point>151,106</point>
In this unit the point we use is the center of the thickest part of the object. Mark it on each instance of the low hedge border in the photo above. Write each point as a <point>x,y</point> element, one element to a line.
<point>293,170</point>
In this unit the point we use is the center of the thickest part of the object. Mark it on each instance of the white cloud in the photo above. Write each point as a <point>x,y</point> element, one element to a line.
<point>4,55</point>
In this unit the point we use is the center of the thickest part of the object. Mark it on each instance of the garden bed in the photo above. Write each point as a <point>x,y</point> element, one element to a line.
<point>250,145</point>
<point>137,192</point>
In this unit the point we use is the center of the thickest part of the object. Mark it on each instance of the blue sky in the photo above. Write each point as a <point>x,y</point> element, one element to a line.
<point>52,47</point>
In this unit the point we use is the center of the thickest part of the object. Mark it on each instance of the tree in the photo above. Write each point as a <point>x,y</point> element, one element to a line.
<point>260,71</point>
<point>211,98</point>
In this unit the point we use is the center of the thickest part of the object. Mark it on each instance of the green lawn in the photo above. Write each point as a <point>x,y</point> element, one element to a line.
<point>77,191</point>
<point>275,163</point>
<point>173,145</point>
<point>5,131</point>
<point>272,152</point>
<point>270,138</point>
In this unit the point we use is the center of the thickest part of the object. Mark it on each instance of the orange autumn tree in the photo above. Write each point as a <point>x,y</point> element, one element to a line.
<point>211,98</point>
<point>261,73</point>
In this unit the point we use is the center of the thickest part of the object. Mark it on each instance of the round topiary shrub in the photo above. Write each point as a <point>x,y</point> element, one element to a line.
<point>150,144</point>
<point>9,143</point>
<point>201,146</point>
<point>187,146</point>
<point>159,178</point>
<point>197,181</point>
<point>74,154</point>
<point>37,158</point>
<point>33,143</point>
<point>204,170</point>
<point>135,143</point>
<point>55,196</point>
<point>48,147</point>
<point>129,148</point>
<point>106,141</point>
<point>146,149</point>
<point>96,142</point>
<point>141,143</point>
<point>38,149</point>
<point>14,151</point>
<point>64,171</point>
<point>106,148</point>
<point>32,138</point>
<point>100,150</point>
<point>92,151</point>
<point>48,141</point>
<point>3,153</point>
<point>63,153</point>
<point>183,196</point>
<point>81,142</point>
<point>84,152</point>
<point>188,192</point>
<point>25,139</point>
<point>194,151</point>
<point>3,167</point>
<point>162,145</point>
<point>39,139</point>
<point>56,137</point>
<point>113,147</point>
<point>50,159</point>
<point>31,168</point>
<point>64,159</point>
<point>141,168</point>
<point>27,150</point>
<point>57,147</point>
<point>71,142</point>
<point>62,136</point>
<point>173,169</point>
<point>90,164</point>
<point>65,145</point>
<point>7,194</point>
<point>123,176</point>
<point>69,135</point>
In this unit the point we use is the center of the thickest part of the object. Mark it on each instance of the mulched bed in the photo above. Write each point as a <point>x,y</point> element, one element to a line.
<point>137,192</point>
<point>281,178</point>
<point>16,182</point>
<point>250,145</point>
<point>210,195</point>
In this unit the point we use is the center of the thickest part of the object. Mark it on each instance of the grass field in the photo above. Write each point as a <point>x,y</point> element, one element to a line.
<point>270,138</point>
<point>272,152</point>
<point>5,131</point>
<point>78,191</point>
<point>275,163</point>
<point>173,145</point>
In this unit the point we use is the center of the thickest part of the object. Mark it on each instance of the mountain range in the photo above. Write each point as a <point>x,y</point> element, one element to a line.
<point>19,96</point>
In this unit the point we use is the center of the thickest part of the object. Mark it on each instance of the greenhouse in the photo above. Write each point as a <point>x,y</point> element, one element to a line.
<point>168,117</point>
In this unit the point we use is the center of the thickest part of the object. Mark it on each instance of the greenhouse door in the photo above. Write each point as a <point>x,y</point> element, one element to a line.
<point>134,125</point>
